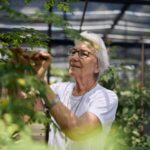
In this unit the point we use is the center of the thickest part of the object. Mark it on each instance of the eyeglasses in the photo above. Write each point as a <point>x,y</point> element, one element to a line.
<point>81,53</point>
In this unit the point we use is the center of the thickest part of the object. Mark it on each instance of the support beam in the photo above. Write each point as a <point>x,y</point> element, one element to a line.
<point>137,2</point>
<point>48,75</point>
<point>84,11</point>
<point>124,8</point>
<point>65,42</point>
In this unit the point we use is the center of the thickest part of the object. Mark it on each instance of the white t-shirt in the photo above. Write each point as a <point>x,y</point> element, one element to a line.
<point>99,101</point>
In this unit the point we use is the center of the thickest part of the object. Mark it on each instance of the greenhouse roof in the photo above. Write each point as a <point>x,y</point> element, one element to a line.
<point>125,23</point>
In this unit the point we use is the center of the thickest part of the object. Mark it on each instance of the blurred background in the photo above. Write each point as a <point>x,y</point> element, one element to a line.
<point>124,25</point>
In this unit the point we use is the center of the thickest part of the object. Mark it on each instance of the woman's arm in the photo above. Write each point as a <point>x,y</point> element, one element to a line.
<point>76,128</point>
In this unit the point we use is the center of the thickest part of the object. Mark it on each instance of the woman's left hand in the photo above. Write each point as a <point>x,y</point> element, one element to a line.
<point>41,61</point>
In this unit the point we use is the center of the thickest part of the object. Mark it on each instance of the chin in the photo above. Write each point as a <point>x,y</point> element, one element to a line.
<point>72,73</point>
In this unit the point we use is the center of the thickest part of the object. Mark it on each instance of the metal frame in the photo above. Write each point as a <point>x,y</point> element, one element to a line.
<point>139,2</point>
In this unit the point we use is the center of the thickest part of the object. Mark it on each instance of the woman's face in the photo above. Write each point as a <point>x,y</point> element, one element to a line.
<point>83,61</point>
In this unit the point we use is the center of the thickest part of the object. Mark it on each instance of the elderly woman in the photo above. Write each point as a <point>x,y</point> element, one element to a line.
<point>83,110</point>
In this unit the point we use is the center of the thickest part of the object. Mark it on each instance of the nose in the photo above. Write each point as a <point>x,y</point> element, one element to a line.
<point>75,55</point>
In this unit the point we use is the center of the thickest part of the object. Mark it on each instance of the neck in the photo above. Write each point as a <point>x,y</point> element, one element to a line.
<point>82,87</point>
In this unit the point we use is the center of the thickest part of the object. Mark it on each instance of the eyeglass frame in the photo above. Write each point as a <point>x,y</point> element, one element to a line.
<point>79,52</point>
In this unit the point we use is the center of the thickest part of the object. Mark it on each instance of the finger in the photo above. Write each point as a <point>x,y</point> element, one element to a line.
<point>17,50</point>
<point>44,55</point>
<point>41,56</point>
<point>30,54</point>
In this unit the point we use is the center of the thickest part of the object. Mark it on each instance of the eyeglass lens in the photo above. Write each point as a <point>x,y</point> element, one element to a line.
<point>81,53</point>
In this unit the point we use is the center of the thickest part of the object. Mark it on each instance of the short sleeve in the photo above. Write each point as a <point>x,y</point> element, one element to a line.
<point>60,88</point>
<point>104,105</point>
<point>55,87</point>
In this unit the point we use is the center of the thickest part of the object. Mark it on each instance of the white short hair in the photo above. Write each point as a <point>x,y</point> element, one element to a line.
<point>102,53</point>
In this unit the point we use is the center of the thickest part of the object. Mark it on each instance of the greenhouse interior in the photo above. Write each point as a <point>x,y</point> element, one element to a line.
<point>28,26</point>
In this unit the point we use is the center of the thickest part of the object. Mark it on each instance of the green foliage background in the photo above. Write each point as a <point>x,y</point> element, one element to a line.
<point>16,77</point>
<point>132,114</point>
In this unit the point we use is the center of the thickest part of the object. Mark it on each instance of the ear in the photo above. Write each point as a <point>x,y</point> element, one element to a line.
<point>97,68</point>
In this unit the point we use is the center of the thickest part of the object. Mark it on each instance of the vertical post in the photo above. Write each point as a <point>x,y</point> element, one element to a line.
<point>49,47</point>
<point>142,85</point>
<point>142,65</point>
<point>47,128</point>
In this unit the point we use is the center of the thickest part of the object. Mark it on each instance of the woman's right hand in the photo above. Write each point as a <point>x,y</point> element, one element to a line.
<point>39,60</point>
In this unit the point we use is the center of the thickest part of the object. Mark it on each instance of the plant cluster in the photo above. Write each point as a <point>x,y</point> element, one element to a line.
<point>132,114</point>
<point>20,89</point>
